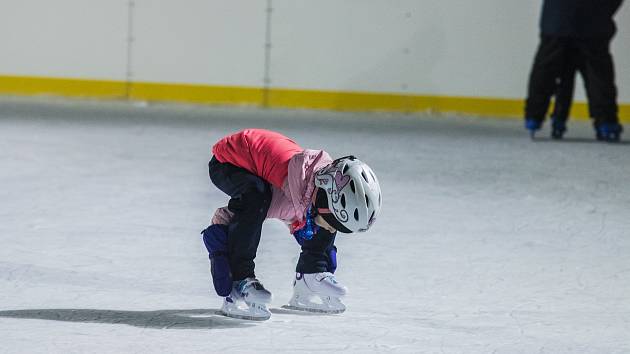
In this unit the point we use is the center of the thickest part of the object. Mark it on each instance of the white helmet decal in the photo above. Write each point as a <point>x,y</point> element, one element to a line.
<point>332,180</point>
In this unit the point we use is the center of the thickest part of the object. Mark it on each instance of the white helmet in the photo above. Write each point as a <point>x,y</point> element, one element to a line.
<point>354,195</point>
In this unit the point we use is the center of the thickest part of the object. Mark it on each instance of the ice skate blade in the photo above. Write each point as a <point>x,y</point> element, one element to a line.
<point>243,316</point>
<point>313,310</point>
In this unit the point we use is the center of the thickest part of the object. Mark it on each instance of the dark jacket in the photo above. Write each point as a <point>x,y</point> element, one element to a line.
<point>579,18</point>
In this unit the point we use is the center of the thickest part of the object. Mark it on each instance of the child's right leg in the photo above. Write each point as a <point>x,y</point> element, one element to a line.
<point>250,199</point>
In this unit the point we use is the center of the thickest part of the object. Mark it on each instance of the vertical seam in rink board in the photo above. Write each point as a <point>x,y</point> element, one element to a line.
<point>130,40</point>
<point>267,63</point>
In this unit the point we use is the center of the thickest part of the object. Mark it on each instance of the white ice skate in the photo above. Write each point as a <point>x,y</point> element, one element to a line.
<point>319,292</point>
<point>248,300</point>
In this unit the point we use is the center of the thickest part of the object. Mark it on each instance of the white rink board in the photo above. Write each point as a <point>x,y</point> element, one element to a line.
<point>446,48</point>
<point>199,42</point>
<point>64,38</point>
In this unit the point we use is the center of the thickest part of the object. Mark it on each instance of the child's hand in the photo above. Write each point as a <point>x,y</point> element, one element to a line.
<point>319,221</point>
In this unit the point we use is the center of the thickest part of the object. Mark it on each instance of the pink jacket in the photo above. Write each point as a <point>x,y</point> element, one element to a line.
<point>277,159</point>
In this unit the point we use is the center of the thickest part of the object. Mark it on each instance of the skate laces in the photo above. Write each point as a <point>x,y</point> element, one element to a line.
<point>247,283</point>
<point>244,284</point>
<point>326,275</point>
<point>240,286</point>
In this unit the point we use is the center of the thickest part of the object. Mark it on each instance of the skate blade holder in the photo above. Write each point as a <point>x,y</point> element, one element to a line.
<point>246,311</point>
<point>316,304</point>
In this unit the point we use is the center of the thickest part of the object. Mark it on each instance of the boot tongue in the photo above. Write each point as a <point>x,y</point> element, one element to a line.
<point>322,276</point>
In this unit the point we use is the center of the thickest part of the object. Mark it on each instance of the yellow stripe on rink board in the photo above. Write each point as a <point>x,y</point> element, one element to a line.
<point>339,101</point>
<point>22,85</point>
<point>362,101</point>
<point>277,98</point>
<point>196,93</point>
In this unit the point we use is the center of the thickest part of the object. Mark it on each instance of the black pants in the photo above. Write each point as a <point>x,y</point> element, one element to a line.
<point>250,197</point>
<point>565,87</point>
<point>319,254</point>
<point>595,64</point>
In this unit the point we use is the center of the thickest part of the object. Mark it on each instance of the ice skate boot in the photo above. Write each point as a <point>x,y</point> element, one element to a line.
<point>558,128</point>
<point>319,292</point>
<point>609,132</point>
<point>248,300</point>
<point>532,125</point>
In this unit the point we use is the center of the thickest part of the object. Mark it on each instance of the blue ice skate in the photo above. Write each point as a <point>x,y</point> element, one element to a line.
<point>532,125</point>
<point>610,132</point>
<point>558,128</point>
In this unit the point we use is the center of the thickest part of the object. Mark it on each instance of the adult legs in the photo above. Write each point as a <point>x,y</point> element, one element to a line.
<point>564,92</point>
<point>563,97</point>
<point>548,66</point>
<point>598,71</point>
<point>599,74</point>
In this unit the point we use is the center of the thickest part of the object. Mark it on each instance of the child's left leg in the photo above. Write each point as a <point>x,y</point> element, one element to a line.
<point>314,276</point>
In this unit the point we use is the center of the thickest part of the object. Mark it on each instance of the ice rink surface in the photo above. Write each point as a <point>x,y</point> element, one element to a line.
<point>487,242</point>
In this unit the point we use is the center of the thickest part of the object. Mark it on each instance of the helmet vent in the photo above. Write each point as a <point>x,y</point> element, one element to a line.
<point>367,201</point>
<point>345,169</point>
<point>343,200</point>
<point>364,176</point>
<point>373,177</point>
<point>356,214</point>
<point>352,187</point>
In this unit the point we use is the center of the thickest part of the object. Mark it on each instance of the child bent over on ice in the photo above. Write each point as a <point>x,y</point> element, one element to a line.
<point>267,175</point>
